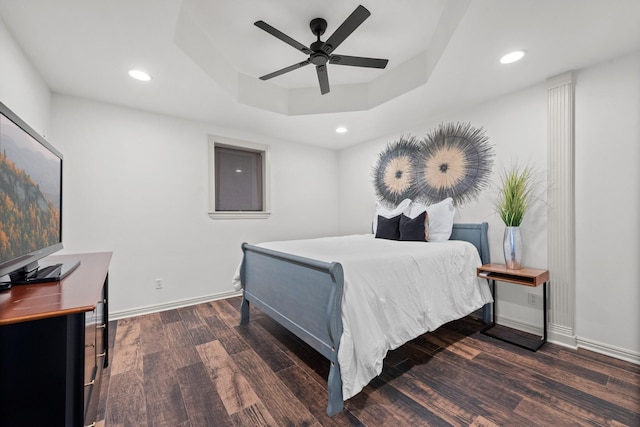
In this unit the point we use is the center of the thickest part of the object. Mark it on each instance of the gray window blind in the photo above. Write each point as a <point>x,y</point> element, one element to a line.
<point>238,180</point>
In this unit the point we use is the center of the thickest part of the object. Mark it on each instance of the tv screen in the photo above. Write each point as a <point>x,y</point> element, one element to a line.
<point>30,198</point>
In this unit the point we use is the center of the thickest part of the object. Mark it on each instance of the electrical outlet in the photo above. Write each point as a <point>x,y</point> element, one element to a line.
<point>532,299</point>
<point>159,283</point>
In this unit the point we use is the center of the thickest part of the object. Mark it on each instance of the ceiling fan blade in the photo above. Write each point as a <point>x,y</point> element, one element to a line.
<point>282,36</point>
<point>285,70</point>
<point>354,20</point>
<point>323,78</point>
<point>358,61</point>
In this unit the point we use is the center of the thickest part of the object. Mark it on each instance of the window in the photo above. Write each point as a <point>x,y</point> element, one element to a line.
<point>239,179</point>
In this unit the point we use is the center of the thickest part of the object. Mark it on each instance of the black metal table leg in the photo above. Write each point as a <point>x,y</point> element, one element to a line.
<point>487,328</point>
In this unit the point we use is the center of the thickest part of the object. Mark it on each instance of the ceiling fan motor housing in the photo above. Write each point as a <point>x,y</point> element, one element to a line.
<point>318,57</point>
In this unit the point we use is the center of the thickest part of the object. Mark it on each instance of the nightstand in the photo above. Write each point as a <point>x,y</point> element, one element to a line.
<point>527,277</point>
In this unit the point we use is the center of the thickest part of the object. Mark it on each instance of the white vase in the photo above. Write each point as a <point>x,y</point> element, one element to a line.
<point>512,246</point>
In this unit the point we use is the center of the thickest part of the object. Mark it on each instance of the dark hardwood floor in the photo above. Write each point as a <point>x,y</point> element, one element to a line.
<point>195,366</point>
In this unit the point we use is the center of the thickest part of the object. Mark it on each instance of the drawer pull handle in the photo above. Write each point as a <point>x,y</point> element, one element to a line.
<point>90,345</point>
<point>104,325</point>
<point>90,383</point>
<point>93,424</point>
<point>103,354</point>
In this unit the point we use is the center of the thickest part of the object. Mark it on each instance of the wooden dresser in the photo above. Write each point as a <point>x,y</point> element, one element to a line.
<point>53,346</point>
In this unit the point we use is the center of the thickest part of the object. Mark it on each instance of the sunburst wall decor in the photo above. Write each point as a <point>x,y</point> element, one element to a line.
<point>454,160</point>
<point>393,175</point>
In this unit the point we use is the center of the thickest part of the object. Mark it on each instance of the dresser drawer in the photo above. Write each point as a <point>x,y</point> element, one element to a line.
<point>99,329</point>
<point>90,358</point>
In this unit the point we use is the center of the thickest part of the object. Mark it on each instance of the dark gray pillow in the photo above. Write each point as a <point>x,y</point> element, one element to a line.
<point>388,228</point>
<point>412,229</point>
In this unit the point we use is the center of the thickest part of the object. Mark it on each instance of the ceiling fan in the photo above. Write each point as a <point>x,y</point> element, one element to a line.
<point>322,52</point>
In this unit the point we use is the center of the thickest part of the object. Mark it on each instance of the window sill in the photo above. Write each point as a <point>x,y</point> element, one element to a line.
<point>239,215</point>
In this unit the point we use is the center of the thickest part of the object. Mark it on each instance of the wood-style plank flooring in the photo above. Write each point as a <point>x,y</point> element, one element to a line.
<point>195,366</point>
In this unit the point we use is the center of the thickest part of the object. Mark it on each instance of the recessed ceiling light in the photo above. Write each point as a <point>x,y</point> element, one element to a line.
<point>512,57</point>
<point>341,129</point>
<point>140,75</point>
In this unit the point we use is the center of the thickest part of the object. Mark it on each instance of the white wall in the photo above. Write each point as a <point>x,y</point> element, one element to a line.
<point>608,204</point>
<point>516,125</point>
<point>22,89</point>
<point>135,183</point>
<point>607,198</point>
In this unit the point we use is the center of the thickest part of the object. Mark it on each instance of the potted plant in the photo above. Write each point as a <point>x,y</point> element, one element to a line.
<point>514,198</point>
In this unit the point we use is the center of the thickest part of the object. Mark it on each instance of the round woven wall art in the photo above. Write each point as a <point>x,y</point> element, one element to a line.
<point>454,160</point>
<point>394,173</point>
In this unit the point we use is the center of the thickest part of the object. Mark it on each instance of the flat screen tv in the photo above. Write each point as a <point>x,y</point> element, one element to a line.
<point>30,204</point>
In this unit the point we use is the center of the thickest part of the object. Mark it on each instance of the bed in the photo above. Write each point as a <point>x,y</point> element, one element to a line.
<point>330,304</point>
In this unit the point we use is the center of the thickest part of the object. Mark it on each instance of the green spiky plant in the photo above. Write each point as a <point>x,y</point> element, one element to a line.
<point>515,194</point>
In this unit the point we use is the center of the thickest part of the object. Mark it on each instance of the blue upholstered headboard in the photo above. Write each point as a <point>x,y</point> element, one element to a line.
<point>476,234</point>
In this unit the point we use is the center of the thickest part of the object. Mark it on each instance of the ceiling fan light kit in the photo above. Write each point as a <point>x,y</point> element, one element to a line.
<point>321,52</point>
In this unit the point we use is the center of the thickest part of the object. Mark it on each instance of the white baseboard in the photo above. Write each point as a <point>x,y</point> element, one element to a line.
<point>116,315</point>
<point>521,326</point>
<point>556,334</point>
<point>564,336</point>
<point>609,350</point>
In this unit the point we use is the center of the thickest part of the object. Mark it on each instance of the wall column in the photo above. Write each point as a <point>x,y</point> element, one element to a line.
<point>561,209</point>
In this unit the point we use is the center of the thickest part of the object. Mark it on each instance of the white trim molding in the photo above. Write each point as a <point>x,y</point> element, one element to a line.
<point>562,335</point>
<point>561,208</point>
<point>265,152</point>
<point>116,315</point>
<point>610,350</point>
<point>519,325</point>
<point>239,215</point>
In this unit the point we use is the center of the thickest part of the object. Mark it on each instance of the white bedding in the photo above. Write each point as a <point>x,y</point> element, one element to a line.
<point>394,291</point>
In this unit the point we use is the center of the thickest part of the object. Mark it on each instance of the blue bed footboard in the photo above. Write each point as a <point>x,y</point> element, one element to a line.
<point>304,296</point>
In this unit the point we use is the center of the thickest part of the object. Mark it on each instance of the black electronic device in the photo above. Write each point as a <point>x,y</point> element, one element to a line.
<point>30,202</point>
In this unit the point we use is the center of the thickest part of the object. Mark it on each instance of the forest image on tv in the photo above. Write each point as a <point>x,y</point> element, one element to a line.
<point>29,207</point>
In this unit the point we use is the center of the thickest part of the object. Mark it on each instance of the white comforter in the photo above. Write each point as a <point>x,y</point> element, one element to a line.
<point>393,292</point>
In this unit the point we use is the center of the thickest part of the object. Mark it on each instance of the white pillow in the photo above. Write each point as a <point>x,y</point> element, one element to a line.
<point>441,220</point>
<point>386,212</point>
<point>415,209</point>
